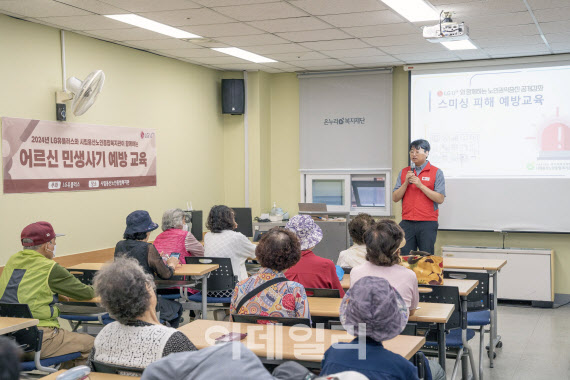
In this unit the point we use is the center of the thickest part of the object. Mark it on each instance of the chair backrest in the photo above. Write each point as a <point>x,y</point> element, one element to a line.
<point>252,318</point>
<point>84,275</point>
<point>444,294</point>
<point>480,297</point>
<point>114,369</point>
<point>347,270</point>
<point>325,293</point>
<point>222,278</point>
<point>410,329</point>
<point>29,339</point>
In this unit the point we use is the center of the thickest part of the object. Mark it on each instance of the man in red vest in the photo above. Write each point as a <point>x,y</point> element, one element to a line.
<point>421,187</point>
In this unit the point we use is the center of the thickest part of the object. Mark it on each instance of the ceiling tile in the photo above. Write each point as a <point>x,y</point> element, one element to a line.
<point>315,35</point>
<point>347,20</point>
<point>383,30</point>
<point>188,17</point>
<point>241,66</point>
<point>319,62</point>
<point>553,14</point>
<point>513,30</point>
<point>222,30</point>
<point>333,7</point>
<point>291,57</point>
<point>281,65</point>
<point>94,6</point>
<point>543,4</point>
<point>92,22</point>
<point>377,59</point>
<point>557,37</point>
<point>416,57</point>
<point>555,27</point>
<point>132,34</point>
<point>40,8</point>
<point>560,47</point>
<point>208,43</point>
<point>255,39</point>
<point>347,53</point>
<point>515,54</point>
<point>226,59</point>
<point>424,47</point>
<point>335,44</point>
<point>497,19</point>
<point>328,68</point>
<point>265,11</point>
<point>406,39</point>
<point>537,49</point>
<point>484,8</point>
<point>375,65</point>
<point>290,24</point>
<point>224,3</point>
<point>152,5</point>
<point>508,41</point>
<point>168,45</point>
<point>280,48</point>
<point>192,53</point>
<point>471,54</point>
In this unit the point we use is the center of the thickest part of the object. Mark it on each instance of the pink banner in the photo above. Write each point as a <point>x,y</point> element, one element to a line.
<point>40,156</point>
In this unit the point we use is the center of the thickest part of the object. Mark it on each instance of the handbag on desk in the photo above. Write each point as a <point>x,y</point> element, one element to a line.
<point>428,268</point>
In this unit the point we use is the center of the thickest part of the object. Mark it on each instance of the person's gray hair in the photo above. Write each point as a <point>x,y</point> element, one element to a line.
<point>33,247</point>
<point>173,218</point>
<point>122,286</point>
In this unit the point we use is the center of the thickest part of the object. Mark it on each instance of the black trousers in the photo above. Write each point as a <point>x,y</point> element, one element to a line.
<point>420,236</point>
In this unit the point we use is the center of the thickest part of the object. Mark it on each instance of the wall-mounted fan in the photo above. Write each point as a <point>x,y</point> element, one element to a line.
<point>83,94</point>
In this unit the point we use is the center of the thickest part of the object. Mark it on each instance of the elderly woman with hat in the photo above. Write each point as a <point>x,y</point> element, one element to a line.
<point>383,243</point>
<point>311,271</point>
<point>374,316</point>
<point>136,246</point>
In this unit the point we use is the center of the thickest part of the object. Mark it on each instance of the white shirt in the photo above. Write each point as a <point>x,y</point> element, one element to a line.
<point>233,245</point>
<point>352,257</point>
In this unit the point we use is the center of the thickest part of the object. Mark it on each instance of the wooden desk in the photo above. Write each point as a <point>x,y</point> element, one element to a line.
<point>277,343</point>
<point>200,271</point>
<point>8,325</point>
<point>92,376</point>
<point>345,282</point>
<point>473,264</point>
<point>465,286</point>
<point>324,307</point>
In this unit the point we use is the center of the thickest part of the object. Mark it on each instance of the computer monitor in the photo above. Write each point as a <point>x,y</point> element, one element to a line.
<point>244,220</point>
<point>194,217</point>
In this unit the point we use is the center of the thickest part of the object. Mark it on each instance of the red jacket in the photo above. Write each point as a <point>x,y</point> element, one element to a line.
<point>415,204</point>
<point>172,240</point>
<point>313,271</point>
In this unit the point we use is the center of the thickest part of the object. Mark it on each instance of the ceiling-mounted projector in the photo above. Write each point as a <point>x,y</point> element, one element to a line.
<point>446,30</point>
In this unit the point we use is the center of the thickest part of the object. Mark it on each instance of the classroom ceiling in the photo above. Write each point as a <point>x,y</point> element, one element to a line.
<point>310,35</point>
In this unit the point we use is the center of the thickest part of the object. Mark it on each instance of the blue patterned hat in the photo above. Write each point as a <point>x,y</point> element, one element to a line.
<point>139,221</point>
<point>308,232</point>
<point>374,302</point>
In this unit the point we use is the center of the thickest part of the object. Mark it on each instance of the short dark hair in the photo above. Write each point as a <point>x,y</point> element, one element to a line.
<point>123,288</point>
<point>382,242</point>
<point>278,249</point>
<point>9,359</point>
<point>423,144</point>
<point>358,226</point>
<point>135,236</point>
<point>220,218</point>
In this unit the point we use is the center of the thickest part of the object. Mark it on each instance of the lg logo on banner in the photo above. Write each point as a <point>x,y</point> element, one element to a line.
<point>148,135</point>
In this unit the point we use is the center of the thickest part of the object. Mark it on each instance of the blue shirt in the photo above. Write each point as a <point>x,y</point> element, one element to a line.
<point>380,363</point>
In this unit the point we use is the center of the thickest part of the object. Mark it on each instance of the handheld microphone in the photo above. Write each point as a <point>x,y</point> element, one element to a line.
<point>413,167</point>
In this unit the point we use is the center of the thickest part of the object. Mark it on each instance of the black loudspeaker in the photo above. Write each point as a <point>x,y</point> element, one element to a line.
<point>195,217</point>
<point>233,96</point>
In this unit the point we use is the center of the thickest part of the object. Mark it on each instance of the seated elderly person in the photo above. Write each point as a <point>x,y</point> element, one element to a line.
<point>278,250</point>
<point>10,355</point>
<point>136,246</point>
<point>312,271</point>
<point>176,238</point>
<point>137,338</point>
<point>223,241</point>
<point>356,254</point>
<point>373,305</point>
<point>32,277</point>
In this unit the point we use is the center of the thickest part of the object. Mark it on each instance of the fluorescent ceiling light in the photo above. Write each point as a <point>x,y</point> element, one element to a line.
<point>459,45</point>
<point>243,54</point>
<point>157,27</point>
<point>414,10</point>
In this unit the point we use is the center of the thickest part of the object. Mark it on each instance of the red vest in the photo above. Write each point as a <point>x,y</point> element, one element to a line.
<point>415,204</point>
<point>172,240</point>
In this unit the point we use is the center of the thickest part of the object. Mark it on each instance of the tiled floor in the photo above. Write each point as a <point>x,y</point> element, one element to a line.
<point>536,345</point>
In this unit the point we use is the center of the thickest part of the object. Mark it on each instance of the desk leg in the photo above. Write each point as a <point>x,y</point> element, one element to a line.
<point>441,344</point>
<point>205,296</point>
<point>494,339</point>
<point>466,348</point>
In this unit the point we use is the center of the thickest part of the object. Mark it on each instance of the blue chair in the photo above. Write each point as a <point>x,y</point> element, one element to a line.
<point>30,340</point>
<point>221,282</point>
<point>479,304</point>
<point>453,339</point>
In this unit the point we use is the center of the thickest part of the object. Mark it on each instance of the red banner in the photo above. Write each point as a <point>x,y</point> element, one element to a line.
<point>41,156</point>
